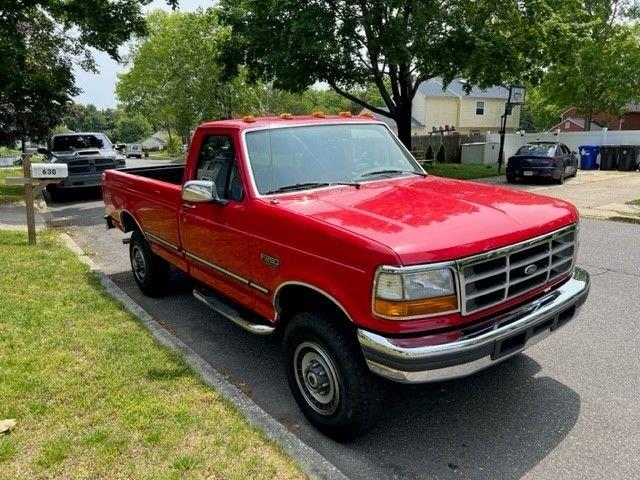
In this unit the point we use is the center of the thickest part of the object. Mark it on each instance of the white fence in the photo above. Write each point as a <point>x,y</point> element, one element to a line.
<point>573,140</point>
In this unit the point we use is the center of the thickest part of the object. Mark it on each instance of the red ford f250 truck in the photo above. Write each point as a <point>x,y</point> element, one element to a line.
<point>325,230</point>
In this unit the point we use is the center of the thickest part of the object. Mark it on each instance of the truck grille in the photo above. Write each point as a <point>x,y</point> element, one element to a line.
<point>497,276</point>
<point>87,166</point>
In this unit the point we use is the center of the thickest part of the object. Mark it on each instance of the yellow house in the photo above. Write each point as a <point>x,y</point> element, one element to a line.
<point>438,108</point>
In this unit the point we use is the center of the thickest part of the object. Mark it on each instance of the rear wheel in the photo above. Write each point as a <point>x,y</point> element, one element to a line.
<point>328,375</point>
<point>150,271</point>
<point>562,178</point>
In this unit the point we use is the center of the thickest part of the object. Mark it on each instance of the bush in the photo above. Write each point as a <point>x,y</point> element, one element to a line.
<point>429,154</point>
<point>174,145</point>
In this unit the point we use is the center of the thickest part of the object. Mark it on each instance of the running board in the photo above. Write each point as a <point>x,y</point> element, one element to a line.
<point>232,314</point>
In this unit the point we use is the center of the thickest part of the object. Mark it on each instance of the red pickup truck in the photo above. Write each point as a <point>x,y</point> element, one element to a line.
<point>326,231</point>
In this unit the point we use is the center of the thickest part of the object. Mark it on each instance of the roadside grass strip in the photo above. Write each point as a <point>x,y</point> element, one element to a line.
<point>94,396</point>
<point>461,171</point>
<point>10,193</point>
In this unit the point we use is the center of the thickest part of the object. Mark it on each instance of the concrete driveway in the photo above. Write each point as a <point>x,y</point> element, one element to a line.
<point>568,408</point>
<point>599,194</point>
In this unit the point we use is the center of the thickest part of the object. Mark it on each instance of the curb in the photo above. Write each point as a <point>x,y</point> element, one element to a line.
<point>309,460</point>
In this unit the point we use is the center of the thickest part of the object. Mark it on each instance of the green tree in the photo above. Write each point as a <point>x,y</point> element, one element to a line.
<point>174,80</point>
<point>539,113</point>
<point>394,44</point>
<point>40,41</point>
<point>603,74</point>
<point>85,118</point>
<point>131,128</point>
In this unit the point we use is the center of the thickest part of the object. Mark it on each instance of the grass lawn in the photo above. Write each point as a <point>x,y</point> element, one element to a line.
<point>95,396</point>
<point>10,193</point>
<point>634,202</point>
<point>463,172</point>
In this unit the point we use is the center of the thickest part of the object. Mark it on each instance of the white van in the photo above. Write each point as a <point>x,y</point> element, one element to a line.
<point>134,150</point>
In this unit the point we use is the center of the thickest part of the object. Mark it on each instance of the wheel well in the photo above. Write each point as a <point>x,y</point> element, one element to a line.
<point>128,222</point>
<point>293,299</point>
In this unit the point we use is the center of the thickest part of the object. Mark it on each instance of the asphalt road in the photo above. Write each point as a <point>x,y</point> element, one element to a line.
<point>569,408</point>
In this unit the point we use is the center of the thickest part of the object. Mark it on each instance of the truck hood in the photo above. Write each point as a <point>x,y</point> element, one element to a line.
<point>85,153</point>
<point>433,219</point>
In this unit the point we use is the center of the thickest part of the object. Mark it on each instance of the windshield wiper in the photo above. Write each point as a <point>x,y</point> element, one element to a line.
<point>393,172</point>
<point>305,185</point>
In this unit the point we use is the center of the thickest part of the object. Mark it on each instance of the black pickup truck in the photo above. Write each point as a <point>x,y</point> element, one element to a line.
<point>86,154</point>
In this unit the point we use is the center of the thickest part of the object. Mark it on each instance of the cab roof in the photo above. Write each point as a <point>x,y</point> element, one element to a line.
<point>247,123</point>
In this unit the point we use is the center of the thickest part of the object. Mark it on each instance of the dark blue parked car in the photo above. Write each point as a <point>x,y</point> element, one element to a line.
<point>542,160</point>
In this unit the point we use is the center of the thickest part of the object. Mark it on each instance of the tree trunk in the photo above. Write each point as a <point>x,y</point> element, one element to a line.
<point>588,119</point>
<point>403,121</point>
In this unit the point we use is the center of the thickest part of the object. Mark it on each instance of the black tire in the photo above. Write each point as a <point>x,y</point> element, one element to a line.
<point>318,348</point>
<point>562,178</point>
<point>150,271</point>
<point>511,179</point>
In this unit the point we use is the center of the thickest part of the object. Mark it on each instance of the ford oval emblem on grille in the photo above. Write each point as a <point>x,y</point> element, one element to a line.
<point>530,269</point>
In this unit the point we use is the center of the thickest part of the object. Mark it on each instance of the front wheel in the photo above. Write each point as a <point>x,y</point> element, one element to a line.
<point>150,271</point>
<point>328,375</point>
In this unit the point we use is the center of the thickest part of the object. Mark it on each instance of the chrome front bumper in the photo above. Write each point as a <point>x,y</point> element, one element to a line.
<point>507,335</point>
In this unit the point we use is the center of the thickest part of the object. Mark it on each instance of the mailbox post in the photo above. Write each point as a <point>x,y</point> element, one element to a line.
<point>29,199</point>
<point>35,177</point>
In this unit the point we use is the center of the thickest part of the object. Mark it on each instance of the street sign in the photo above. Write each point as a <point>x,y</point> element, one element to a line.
<point>49,170</point>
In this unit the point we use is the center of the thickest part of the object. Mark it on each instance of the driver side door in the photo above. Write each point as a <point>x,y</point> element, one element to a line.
<point>213,234</point>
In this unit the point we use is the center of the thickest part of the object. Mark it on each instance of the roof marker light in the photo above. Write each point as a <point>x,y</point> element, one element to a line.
<point>318,114</point>
<point>286,116</point>
<point>248,119</point>
<point>366,114</point>
<point>345,114</point>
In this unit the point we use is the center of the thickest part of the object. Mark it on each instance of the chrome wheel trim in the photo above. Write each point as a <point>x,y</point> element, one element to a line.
<point>317,377</point>
<point>138,263</point>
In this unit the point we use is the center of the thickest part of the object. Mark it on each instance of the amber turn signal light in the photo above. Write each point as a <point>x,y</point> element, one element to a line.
<point>413,308</point>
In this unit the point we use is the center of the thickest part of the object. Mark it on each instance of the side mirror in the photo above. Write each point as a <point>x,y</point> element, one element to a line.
<point>43,150</point>
<point>201,191</point>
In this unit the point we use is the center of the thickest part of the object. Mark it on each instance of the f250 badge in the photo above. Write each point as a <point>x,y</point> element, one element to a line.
<point>269,260</point>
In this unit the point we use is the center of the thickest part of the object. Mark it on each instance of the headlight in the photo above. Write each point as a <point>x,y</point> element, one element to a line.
<point>400,294</point>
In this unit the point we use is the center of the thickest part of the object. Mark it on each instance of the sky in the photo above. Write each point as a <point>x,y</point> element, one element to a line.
<point>99,89</point>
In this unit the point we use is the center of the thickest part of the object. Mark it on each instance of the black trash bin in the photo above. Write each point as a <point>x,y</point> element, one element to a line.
<point>628,158</point>
<point>609,157</point>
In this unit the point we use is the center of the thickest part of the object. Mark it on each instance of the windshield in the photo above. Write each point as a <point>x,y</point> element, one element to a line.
<point>63,143</point>
<point>537,150</point>
<point>313,156</point>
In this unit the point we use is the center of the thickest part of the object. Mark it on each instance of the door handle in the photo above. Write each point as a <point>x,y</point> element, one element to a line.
<point>188,205</point>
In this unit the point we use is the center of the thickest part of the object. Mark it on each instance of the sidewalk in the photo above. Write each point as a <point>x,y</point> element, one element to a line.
<point>597,194</point>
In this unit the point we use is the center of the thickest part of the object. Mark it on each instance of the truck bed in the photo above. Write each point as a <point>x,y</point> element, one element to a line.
<point>165,173</point>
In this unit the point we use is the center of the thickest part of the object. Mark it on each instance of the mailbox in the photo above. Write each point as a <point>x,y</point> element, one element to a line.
<point>49,171</point>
